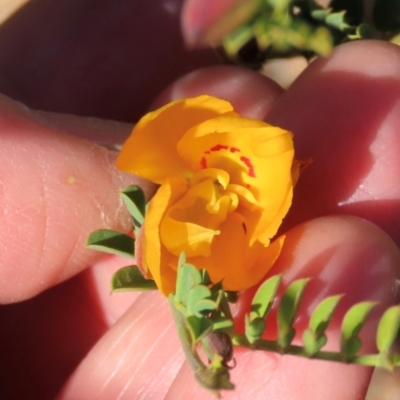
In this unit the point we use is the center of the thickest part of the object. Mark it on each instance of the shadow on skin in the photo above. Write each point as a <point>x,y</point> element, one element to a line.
<point>108,58</point>
<point>65,319</point>
<point>336,120</point>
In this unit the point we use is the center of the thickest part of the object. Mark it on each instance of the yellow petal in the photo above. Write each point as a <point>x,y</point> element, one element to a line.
<point>191,224</point>
<point>256,156</point>
<point>192,239</point>
<point>150,151</point>
<point>226,184</point>
<point>156,258</point>
<point>234,262</point>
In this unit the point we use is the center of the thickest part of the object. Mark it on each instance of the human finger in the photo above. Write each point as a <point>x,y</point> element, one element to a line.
<point>251,93</point>
<point>56,189</point>
<point>344,113</point>
<point>140,354</point>
<point>97,311</point>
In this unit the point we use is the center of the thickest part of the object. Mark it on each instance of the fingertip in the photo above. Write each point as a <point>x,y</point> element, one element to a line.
<point>139,354</point>
<point>56,190</point>
<point>342,255</point>
<point>281,377</point>
<point>344,113</point>
<point>251,93</point>
<point>107,133</point>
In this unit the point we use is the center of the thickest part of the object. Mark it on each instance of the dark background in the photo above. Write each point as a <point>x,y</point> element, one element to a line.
<point>103,58</point>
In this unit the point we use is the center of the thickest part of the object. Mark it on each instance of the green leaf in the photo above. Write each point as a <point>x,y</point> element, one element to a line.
<point>203,307</point>
<point>314,337</point>
<point>279,6</point>
<point>355,318</point>
<point>287,311</point>
<point>222,324</point>
<point>363,31</point>
<point>254,329</point>
<point>320,14</point>
<point>112,242</point>
<point>198,327</point>
<point>135,201</point>
<point>350,348</point>
<point>264,297</point>
<point>313,343</point>
<point>205,277</point>
<point>198,301</point>
<point>130,278</point>
<point>323,314</point>
<point>337,20</point>
<point>197,293</point>
<point>215,289</point>
<point>320,41</point>
<point>187,277</point>
<point>233,42</point>
<point>388,329</point>
<point>181,259</point>
<point>223,310</point>
<point>352,324</point>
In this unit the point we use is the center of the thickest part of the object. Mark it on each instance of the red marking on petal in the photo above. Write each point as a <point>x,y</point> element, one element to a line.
<point>203,163</point>
<point>219,147</point>
<point>234,149</point>
<point>207,152</point>
<point>249,165</point>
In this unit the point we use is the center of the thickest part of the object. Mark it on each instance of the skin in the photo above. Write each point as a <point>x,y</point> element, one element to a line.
<point>62,335</point>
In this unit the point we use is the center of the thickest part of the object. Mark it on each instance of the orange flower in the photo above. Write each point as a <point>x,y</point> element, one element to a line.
<point>226,184</point>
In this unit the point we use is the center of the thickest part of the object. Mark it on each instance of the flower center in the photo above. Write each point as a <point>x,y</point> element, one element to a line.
<point>191,224</point>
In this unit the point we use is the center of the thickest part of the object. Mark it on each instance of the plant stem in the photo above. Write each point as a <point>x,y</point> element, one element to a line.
<point>371,360</point>
<point>213,377</point>
<point>185,338</point>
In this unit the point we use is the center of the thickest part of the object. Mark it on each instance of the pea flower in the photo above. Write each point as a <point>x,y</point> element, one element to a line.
<point>226,183</point>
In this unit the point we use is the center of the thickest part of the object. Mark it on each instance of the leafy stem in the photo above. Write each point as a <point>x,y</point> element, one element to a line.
<point>369,360</point>
<point>205,326</point>
<point>214,376</point>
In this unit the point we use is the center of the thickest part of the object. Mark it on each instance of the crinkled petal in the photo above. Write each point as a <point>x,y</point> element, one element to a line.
<point>191,224</point>
<point>235,263</point>
<point>150,151</point>
<point>256,156</point>
<point>192,239</point>
<point>155,257</point>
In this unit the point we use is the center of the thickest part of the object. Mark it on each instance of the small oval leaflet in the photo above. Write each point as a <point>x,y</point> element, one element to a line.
<point>130,278</point>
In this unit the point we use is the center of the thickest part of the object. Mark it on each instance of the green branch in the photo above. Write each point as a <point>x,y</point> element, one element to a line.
<point>369,360</point>
<point>202,315</point>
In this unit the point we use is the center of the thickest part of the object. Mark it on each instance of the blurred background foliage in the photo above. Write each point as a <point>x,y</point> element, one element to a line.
<point>111,58</point>
<point>284,28</point>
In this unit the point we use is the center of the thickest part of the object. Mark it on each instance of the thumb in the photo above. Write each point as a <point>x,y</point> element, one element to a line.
<point>55,189</point>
